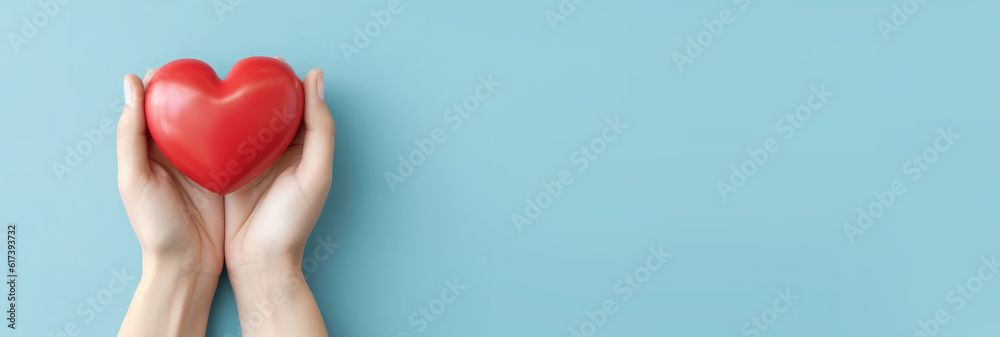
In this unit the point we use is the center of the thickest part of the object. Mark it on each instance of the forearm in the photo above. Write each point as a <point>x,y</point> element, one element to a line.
<point>276,302</point>
<point>169,303</point>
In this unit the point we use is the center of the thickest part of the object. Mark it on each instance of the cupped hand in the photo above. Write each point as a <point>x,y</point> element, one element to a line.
<point>179,224</point>
<point>268,221</point>
<point>259,231</point>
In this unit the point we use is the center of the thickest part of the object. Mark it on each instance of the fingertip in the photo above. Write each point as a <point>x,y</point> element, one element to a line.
<point>312,74</point>
<point>313,84</point>
<point>319,85</point>
<point>127,93</point>
<point>149,76</point>
<point>132,79</point>
<point>131,82</point>
<point>132,113</point>
<point>282,59</point>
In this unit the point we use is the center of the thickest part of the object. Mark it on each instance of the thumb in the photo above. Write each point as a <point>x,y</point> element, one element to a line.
<point>318,143</point>
<point>133,162</point>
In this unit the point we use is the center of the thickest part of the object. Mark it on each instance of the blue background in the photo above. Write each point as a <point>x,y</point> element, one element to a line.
<point>654,186</point>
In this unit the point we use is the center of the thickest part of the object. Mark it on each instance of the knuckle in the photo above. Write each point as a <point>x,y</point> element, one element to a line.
<point>124,184</point>
<point>122,128</point>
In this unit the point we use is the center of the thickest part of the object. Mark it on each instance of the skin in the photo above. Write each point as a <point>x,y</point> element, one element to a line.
<point>259,231</point>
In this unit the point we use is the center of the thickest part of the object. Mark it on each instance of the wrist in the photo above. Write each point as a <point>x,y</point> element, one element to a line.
<point>189,285</point>
<point>253,278</point>
<point>263,268</point>
<point>178,268</point>
<point>275,301</point>
<point>169,301</point>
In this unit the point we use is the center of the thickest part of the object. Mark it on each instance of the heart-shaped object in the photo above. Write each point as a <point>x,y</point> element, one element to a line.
<point>223,133</point>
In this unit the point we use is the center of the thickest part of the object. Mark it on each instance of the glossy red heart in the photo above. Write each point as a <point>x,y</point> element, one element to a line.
<point>223,133</point>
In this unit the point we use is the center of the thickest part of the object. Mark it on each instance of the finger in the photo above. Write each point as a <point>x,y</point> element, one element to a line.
<point>149,75</point>
<point>156,155</point>
<point>300,135</point>
<point>318,142</point>
<point>132,154</point>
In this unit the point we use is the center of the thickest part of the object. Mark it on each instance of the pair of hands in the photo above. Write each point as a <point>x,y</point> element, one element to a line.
<point>259,232</point>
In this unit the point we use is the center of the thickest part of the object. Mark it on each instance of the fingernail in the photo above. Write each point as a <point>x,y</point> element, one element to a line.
<point>128,93</point>
<point>319,86</point>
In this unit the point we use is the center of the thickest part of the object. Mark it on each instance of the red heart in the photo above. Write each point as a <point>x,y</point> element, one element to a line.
<point>223,133</point>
